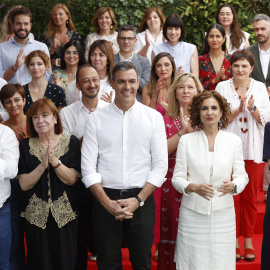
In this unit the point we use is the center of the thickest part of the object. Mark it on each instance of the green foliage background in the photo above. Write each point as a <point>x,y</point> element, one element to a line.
<point>197,15</point>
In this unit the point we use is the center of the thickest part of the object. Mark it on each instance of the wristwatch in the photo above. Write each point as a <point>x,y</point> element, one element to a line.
<point>139,200</point>
<point>234,191</point>
<point>253,109</point>
<point>59,163</point>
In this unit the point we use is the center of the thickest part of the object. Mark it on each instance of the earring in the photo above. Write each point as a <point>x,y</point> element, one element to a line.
<point>201,125</point>
<point>67,22</point>
<point>111,26</point>
<point>55,122</point>
<point>220,123</point>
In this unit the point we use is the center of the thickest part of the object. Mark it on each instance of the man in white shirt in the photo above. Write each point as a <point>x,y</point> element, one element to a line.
<point>3,113</point>
<point>9,157</point>
<point>261,49</point>
<point>126,40</point>
<point>124,159</point>
<point>73,119</point>
<point>14,51</point>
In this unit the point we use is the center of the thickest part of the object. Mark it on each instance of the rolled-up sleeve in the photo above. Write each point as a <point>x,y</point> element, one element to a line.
<point>159,152</point>
<point>90,154</point>
<point>9,154</point>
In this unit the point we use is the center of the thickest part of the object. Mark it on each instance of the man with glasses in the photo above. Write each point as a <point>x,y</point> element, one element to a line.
<point>126,40</point>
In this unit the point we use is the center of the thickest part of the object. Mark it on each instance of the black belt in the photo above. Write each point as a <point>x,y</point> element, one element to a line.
<point>6,202</point>
<point>123,193</point>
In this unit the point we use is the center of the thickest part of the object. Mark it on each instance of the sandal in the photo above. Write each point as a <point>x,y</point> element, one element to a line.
<point>238,254</point>
<point>249,251</point>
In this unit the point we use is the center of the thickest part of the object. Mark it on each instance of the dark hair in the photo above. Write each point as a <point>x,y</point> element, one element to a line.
<point>9,90</point>
<point>143,25</point>
<point>243,54</point>
<point>124,66</point>
<point>174,20</point>
<point>237,35</point>
<point>153,75</point>
<point>79,49</point>
<point>79,70</point>
<point>44,105</point>
<point>21,11</point>
<point>196,104</point>
<point>206,47</point>
<point>106,47</point>
<point>127,27</point>
<point>99,12</point>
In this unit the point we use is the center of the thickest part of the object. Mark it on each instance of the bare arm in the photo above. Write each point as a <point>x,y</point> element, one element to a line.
<point>194,63</point>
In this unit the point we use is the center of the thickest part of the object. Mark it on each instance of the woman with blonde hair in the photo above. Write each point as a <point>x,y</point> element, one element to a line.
<point>105,24</point>
<point>183,89</point>
<point>150,32</point>
<point>60,30</point>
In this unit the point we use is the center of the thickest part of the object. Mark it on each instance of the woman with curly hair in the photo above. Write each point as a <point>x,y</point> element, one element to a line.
<point>206,161</point>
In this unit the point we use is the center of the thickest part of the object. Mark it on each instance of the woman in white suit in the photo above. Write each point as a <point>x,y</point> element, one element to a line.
<point>205,163</point>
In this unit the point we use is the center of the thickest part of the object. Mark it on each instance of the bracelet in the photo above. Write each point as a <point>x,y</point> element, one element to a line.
<point>14,69</point>
<point>179,134</point>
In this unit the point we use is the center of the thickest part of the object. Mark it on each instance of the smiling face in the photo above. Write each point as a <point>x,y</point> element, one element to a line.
<point>262,30</point>
<point>88,82</point>
<point>44,122</point>
<point>173,34</point>
<point>125,84</point>
<point>225,16</point>
<point>105,22</point>
<point>241,69</point>
<point>153,22</point>
<point>71,56</point>
<point>14,105</point>
<point>215,39</point>
<point>60,17</point>
<point>22,26</point>
<point>210,112</point>
<point>186,91</point>
<point>98,59</point>
<point>164,68</point>
<point>37,67</point>
<point>126,41</point>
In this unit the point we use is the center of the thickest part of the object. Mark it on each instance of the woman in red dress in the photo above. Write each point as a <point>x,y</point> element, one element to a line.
<point>177,124</point>
<point>214,63</point>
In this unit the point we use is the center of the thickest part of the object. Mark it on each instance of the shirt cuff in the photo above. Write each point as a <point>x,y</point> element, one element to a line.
<point>155,179</point>
<point>91,179</point>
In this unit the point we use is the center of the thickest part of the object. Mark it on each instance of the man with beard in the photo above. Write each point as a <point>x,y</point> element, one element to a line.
<point>261,49</point>
<point>73,120</point>
<point>14,51</point>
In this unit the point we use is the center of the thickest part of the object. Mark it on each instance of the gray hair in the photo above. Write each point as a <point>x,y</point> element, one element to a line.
<point>127,27</point>
<point>124,66</point>
<point>260,17</point>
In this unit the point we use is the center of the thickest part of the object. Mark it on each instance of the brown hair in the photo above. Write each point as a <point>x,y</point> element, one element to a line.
<point>143,25</point>
<point>174,105</point>
<point>44,57</point>
<point>196,104</point>
<point>21,10</point>
<point>51,29</point>
<point>243,54</point>
<point>154,76</point>
<point>9,90</point>
<point>43,105</point>
<point>99,12</point>
<point>237,35</point>
<point>106,47</point>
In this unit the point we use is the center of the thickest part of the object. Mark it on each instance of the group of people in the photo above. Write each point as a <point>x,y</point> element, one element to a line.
<point>132,139</point>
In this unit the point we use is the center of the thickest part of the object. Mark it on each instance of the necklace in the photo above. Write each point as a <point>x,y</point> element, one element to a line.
<point>236,89</point>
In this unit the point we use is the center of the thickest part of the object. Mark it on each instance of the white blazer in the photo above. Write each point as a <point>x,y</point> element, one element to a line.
<point>192,166</point>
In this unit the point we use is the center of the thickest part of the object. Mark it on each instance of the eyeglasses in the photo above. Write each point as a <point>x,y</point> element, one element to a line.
<point>126,38</point>
<point>70,53</point>
<point>223,14</point>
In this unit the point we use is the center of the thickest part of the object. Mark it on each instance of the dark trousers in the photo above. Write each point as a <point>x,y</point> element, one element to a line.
<point>137,234</point>
<point>52,248</point>
<point>265,259</point>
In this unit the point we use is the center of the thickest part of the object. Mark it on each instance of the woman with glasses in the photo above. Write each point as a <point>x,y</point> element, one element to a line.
<point>38,63</point>
<point>237,39</point>
<point>72,57</point>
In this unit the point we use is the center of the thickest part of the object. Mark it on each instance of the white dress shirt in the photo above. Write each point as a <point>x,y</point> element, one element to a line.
<point>124,150</point>
<point>122,59</point>
<point>3,112</point>
<point>265,59</point>
<point>74,117</point>
<point>9,158</point>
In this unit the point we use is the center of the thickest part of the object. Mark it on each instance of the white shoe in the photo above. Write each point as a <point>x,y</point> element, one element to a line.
<point>93,257</point>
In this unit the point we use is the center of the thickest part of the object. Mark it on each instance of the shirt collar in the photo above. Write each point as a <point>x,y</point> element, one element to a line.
<point>123,59</point>
<point>130,110</point>
<point>30,40</point>
<point>263,52</point>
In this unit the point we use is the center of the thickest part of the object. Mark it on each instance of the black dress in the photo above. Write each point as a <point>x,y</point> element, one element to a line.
<point>50,207</point>
<point>53,92</point>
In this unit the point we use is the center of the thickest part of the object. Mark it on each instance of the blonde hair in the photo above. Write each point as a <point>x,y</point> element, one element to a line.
<point>174,105</point>
<point>51,29</point>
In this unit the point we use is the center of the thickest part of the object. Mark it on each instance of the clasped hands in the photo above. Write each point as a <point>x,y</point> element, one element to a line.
<point>123,208</point>
<point>49,157</point>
